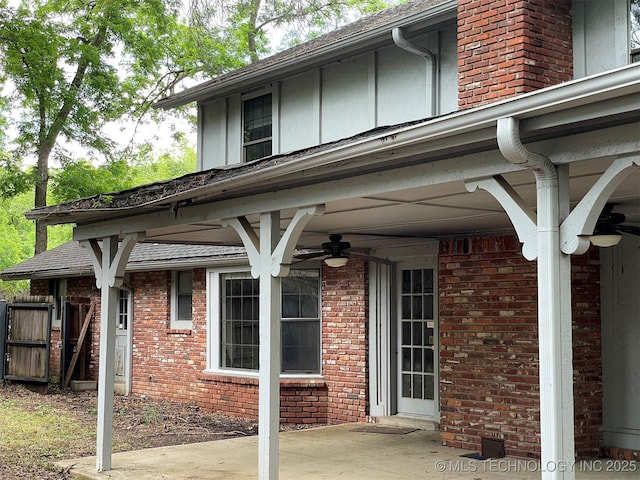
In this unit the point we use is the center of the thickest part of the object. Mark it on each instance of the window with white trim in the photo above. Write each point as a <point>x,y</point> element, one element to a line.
<point>234,321</point>
<point>257,127</point>
<point>181,299</point>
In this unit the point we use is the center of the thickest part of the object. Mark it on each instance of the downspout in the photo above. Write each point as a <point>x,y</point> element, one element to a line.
<point>428,55</point>
<point>554,308</point>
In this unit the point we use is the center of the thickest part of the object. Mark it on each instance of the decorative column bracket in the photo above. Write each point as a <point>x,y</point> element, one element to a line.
<point>282,255</point>
<point>579,225</point>
<point>119,264</point>
<point>523,217</point>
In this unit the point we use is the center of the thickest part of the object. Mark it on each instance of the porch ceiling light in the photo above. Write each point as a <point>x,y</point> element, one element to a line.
<point>605,239</point>
<point>336,261</point>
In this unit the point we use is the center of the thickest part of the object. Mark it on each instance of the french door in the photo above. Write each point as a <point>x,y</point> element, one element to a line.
<point>417,341</point>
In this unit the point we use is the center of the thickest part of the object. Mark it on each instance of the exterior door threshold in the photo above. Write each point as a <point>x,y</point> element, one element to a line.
<point>420,423</point>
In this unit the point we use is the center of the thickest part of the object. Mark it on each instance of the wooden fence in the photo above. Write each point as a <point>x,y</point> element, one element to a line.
<point>26,334</point>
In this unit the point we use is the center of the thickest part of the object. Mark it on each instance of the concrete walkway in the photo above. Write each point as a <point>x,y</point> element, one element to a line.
<point>336,452</point>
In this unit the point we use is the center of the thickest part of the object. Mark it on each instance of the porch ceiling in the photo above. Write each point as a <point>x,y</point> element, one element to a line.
<point>408,215</point>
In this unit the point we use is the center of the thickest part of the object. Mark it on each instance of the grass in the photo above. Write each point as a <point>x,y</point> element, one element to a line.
<point>37,434</point>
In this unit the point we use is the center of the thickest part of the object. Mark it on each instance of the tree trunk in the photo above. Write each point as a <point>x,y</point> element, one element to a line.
<point>41,197</point>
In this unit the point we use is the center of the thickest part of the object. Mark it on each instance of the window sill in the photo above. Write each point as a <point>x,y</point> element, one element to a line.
<point>306,381</point>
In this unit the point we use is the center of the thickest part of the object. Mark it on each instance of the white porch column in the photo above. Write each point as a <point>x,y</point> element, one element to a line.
<point>270,256</point>
<point>540,234</point>
<point>109,268</point>
<point>554,310</point>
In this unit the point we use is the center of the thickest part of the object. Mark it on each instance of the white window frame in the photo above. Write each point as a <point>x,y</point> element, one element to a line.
<point>175,323</point>
<point>214,328</point>
<point>266,90</point>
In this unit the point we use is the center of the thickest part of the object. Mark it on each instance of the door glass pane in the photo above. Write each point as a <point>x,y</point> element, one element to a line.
<point>417,360</point>
<point>417,281</point>
<point>406,333</point>
<point>417,386</point>
<point>406,359</point>
<point>417,307</point>
<point>428,360</point>
<point>406,281</point>
<point>417,333</point>
<point>428,387</point>
<point>428,307</point>
<point>406,385</point>
<point>406,307</point>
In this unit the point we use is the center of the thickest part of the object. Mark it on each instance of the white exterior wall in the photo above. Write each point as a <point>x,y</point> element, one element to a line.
<point>372,89</point>
<point>596,46</point>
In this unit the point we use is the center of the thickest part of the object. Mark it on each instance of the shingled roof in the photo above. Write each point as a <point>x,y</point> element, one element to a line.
<point>70,259</point>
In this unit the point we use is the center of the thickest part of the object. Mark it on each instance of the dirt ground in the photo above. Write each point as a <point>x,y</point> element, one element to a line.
<point>68,425</point>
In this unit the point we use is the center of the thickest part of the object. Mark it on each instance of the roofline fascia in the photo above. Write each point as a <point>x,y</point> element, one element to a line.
<point>209,89</point>
<point>154,266</point>
<point>584,91</point>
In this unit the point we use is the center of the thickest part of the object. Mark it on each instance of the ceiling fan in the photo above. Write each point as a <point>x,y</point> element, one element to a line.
<point>337,253</point>
<point>609,228</point>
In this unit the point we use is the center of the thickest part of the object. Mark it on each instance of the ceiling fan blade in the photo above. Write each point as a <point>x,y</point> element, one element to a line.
<point>372,258</point>
<point>307,255</point>
<point>633,230</point>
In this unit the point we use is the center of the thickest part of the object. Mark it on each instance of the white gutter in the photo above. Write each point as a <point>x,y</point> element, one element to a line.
<point>430,58</point>
<point>554,308</point>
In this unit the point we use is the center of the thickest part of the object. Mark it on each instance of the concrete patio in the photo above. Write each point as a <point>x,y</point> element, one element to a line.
<point>351,451</point>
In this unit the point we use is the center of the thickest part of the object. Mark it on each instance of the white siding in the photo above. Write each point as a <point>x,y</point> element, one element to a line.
<point>341,99</point>
<point>299,111</point>
<point>346,104</point>
<point>597,46</point>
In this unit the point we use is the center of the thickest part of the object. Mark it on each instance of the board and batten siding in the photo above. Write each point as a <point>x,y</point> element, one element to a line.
<point>340,99</point>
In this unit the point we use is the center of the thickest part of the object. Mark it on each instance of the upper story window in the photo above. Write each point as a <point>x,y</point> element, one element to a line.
<point>257,127</point>
<point>634,34</point>
<point>181,299</point>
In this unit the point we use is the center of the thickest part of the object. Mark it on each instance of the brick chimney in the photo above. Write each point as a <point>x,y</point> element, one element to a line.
<point>510,47</point>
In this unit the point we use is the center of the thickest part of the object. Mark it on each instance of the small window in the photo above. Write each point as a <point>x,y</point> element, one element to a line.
<point>257,142</point>
<point>634,30</point>
<point>181,299</point>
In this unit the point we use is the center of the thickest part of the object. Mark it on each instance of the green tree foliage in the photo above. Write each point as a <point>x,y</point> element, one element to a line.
<point>73,66</point>
<point>17,235</point>
<point>76,65</point>
<point>82,178</point>
<point>248,24</point>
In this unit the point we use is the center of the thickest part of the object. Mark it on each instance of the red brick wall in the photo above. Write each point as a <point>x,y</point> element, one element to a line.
<point>345,341</point>
<point>170,364</point>
<point>510,47</point>
<point>489,346</point>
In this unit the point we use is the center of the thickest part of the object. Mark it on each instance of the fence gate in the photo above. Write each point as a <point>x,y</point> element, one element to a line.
<point>26,333</point>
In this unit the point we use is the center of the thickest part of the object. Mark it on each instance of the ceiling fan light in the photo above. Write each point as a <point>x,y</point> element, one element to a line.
<point>605,239</point>
<point>336,261</point>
